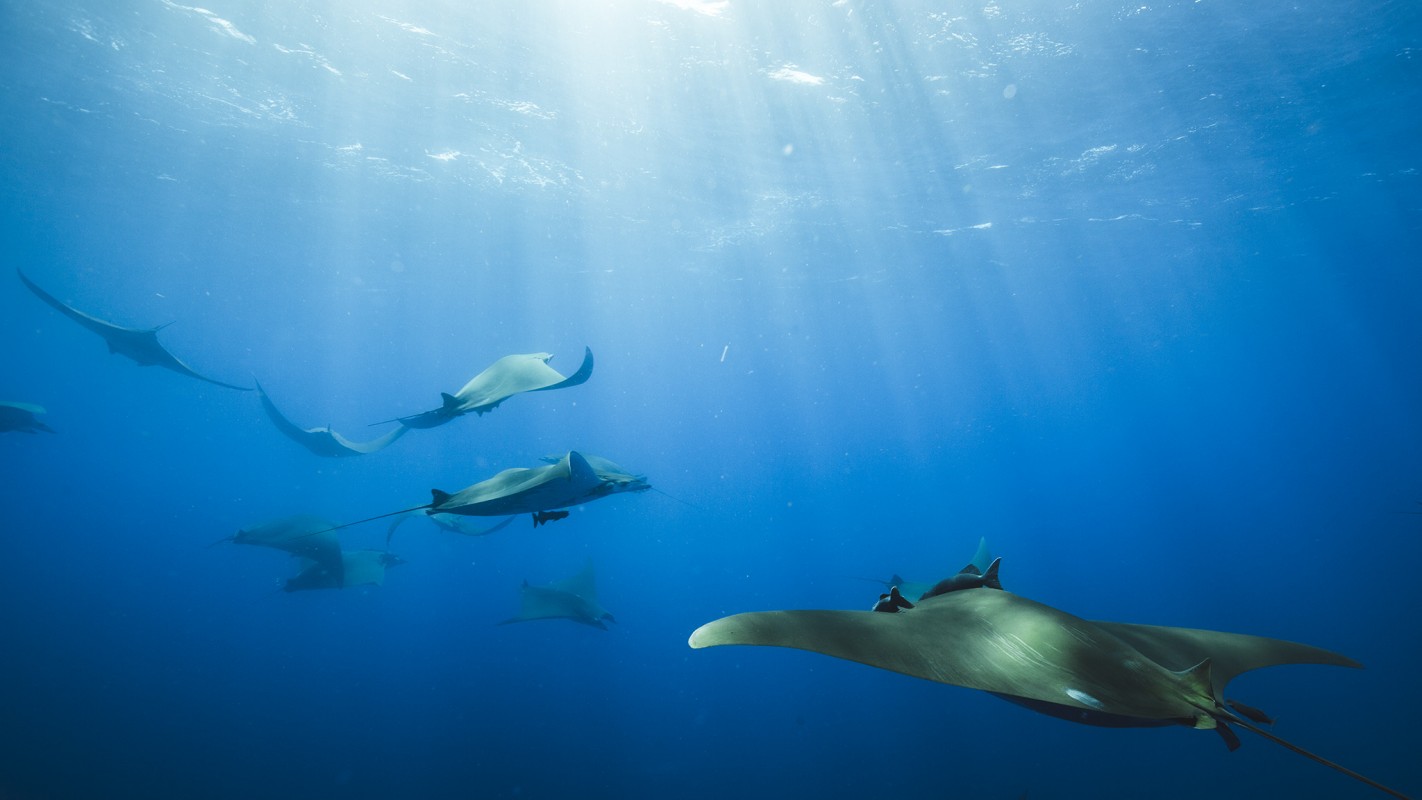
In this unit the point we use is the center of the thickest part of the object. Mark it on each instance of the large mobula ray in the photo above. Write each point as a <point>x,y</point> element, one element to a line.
<point>503,379</point>
<point>324,441</point>
<point>139,344</point>
<point>1103,673</point>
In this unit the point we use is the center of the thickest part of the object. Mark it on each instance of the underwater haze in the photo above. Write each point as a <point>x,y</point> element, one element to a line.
<point>1131,291</point>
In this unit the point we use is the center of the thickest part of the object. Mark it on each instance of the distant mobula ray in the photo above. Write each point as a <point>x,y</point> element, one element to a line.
<point>572,481</point>
<point>21,417</point>
<point>309,537</point>
<point>503,379</point>
<point>139,344</point>
<point>324,441</point>
<point>314,541</point>
<point>302,535</point>
<point>1100,673</point>
<point>358,568</point>
<point>574,598</point>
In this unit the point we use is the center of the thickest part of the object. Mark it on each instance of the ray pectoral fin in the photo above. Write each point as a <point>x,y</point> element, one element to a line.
<point>162,358</point>
<point>584,371</point>
<point>202,377</point>
<point>53,301</point>
<point>105,329</point>
<point>348,447</point>
<point>286,426</point>
<point>323,441</point>
<point>862,636</point>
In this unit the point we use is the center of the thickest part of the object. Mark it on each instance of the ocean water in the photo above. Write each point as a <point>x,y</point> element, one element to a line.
<point>1131,290</point>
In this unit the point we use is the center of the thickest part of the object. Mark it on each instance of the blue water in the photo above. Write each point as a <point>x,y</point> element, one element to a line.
<point>1131,290</point>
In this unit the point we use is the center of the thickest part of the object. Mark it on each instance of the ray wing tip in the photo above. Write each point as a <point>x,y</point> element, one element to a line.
<point>707,635</point>
<point>696,641</point>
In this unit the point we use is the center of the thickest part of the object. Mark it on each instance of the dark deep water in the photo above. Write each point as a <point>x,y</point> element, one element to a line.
<point>1131,290</point>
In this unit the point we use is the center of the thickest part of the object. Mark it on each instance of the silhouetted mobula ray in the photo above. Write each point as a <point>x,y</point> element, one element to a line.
<point>324,441</point>
<point>451,523</point>
<point>574,599</point>
<point>526,490</point>
<point>358,568</point>
<point>139,344</point>
<point>21,417</point>
<point>503,379</point>
<point>1050,661</point>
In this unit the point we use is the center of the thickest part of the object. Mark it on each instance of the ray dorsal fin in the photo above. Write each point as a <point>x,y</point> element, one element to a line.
<point>579,470</point>
<point>440,498</point>
<point>990,579</point>
<point>450,401</point>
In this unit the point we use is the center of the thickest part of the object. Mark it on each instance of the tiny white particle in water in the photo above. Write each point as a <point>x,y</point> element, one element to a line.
<point>1010,92</point>
<point>724,350</point>
<point>788,149</point>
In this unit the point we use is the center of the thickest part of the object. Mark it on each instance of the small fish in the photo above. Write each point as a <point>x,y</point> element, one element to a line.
<point>892,602</point>
<point>545,517</point>
<point>1251,712</point>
